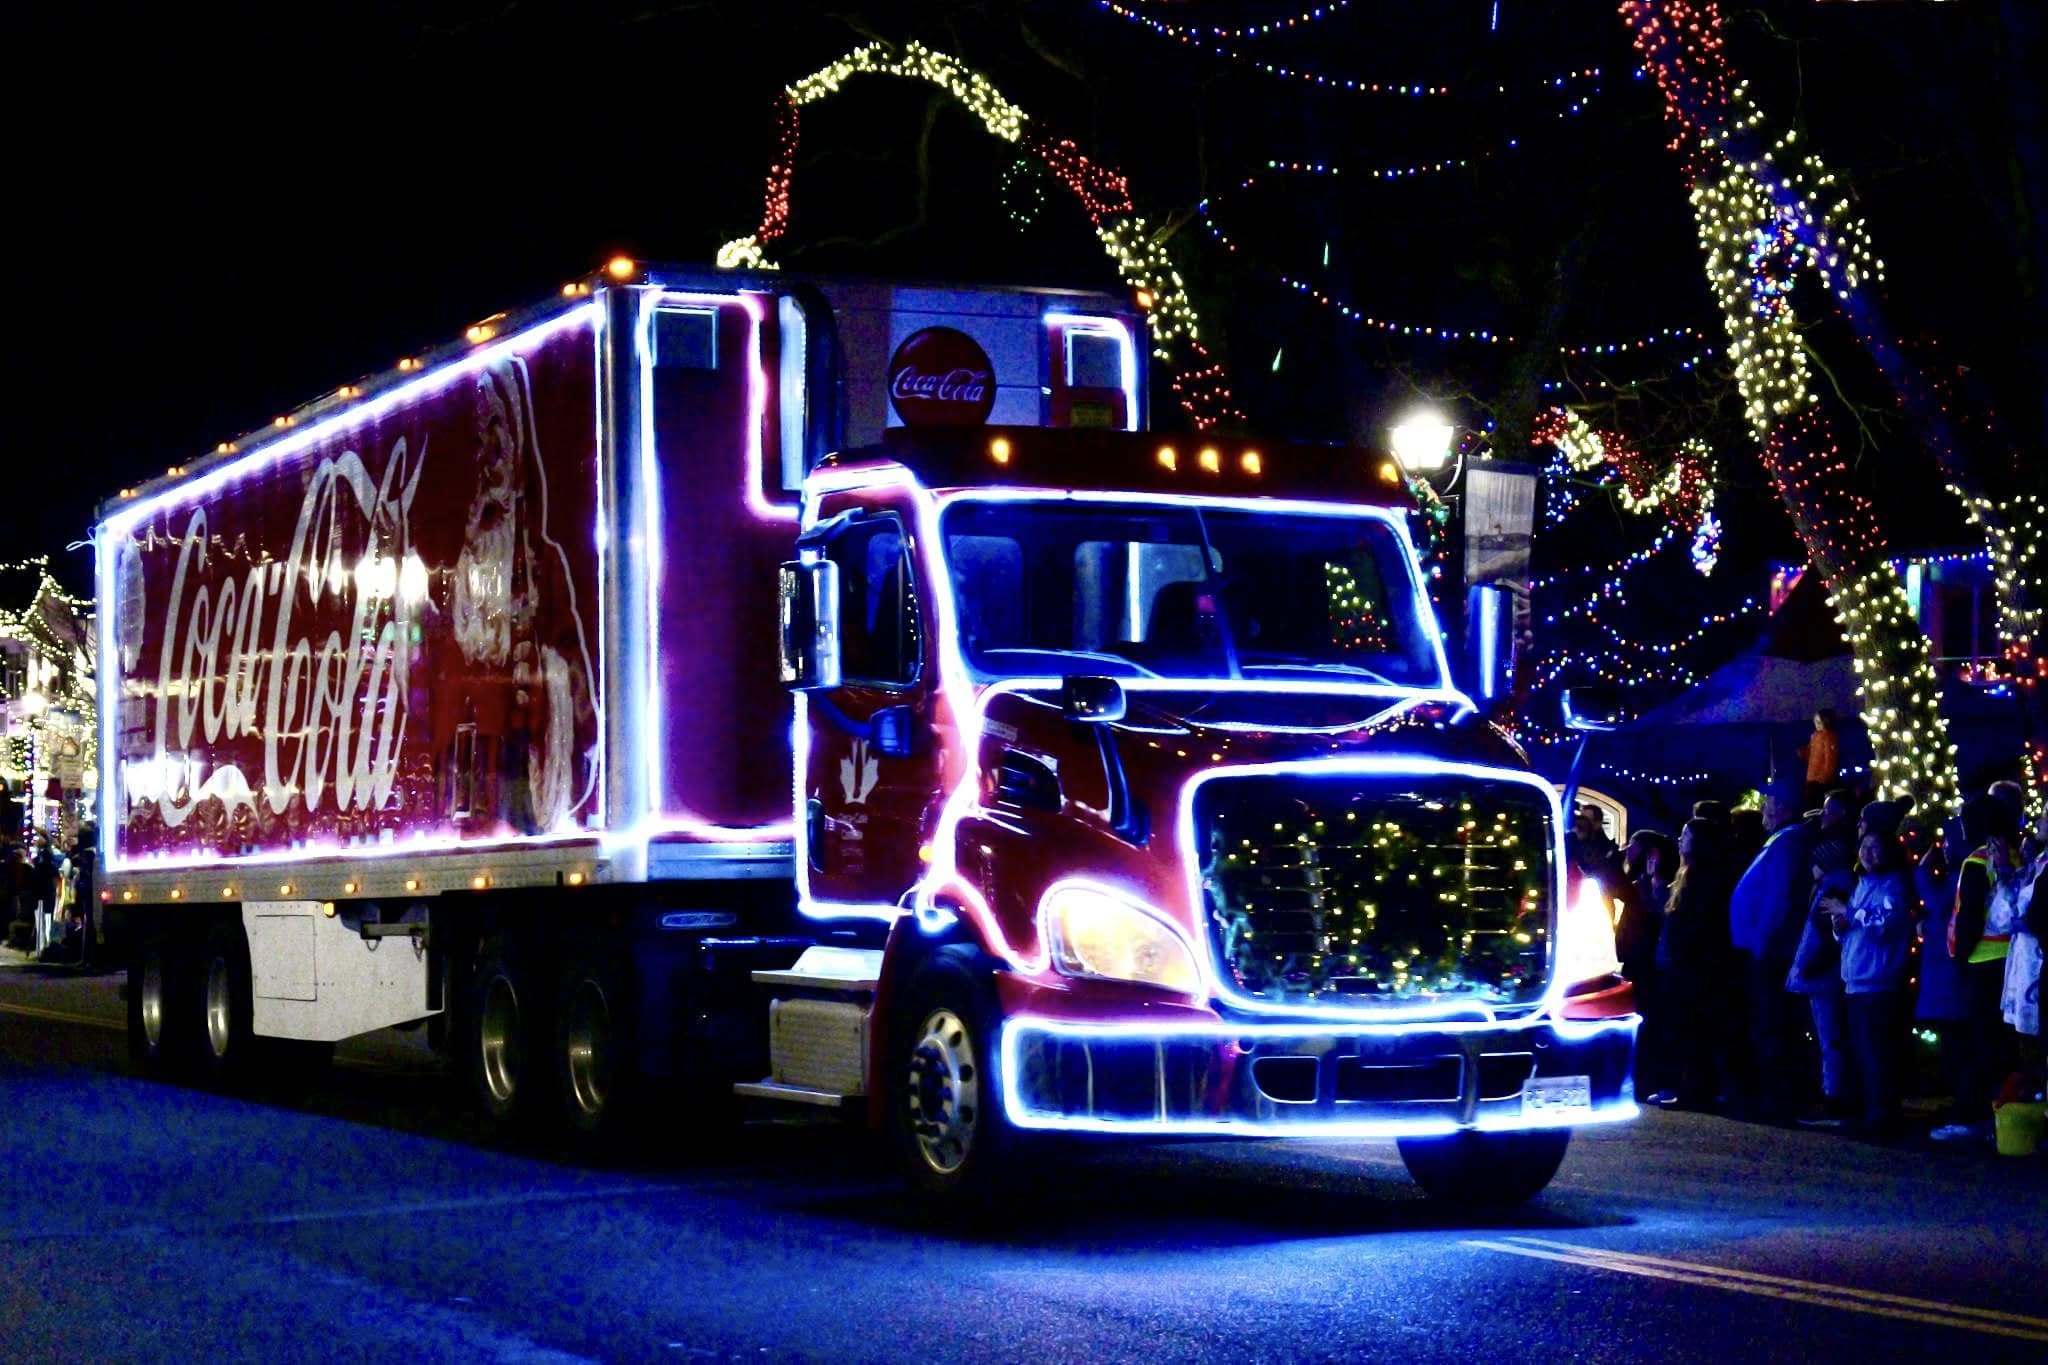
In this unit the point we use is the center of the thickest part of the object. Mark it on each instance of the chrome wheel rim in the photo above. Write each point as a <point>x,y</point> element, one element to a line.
<point>588,1036</point>
<point>498,1031</point>
<point>944,1092</point>
<point>152,1009</point>
<point>219,1006</point>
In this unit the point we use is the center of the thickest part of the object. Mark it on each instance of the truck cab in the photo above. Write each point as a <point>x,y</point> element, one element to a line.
<point>1147,753</point>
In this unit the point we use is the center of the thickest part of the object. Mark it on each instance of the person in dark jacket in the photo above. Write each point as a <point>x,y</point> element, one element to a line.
<point>1693,963</point>
<point>1817,963</point>
<point>1765,916</point>
<point>1648,864</point>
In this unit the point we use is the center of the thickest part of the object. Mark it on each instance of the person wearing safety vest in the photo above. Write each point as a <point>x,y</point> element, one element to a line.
<point>1979,936</point>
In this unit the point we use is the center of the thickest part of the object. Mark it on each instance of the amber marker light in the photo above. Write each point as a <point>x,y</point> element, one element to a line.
<point>348,888</point>
<point>412,883</point>
<point>1253,465</point>
<point>177,893</point>
<point>575,879</point>
<point>479,882</point>
<point>999,450</point>
<point>1390,473</point>
<point>227,893</point>
<point>284,888</point>
<point>1211,460</point>
<point>1169,458</point>
<point>621,268</point>
<point>327,909</point>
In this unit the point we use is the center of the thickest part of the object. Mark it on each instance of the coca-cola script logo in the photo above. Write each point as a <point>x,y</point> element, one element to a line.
<point>941,377</point>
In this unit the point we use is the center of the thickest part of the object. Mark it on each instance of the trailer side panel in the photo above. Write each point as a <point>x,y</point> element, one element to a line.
<point>381,630</point>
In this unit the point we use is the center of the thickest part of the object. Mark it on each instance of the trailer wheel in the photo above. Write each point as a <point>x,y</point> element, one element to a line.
<point>153,1009</point>
<point>224,1041</point>
<point>507,1055</point>
<point>945,1099</point>
<point>593,1052</point>
<point>1480,1170</point>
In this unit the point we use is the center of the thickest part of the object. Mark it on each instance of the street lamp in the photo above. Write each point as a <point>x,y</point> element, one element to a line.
<point>1422,442</point>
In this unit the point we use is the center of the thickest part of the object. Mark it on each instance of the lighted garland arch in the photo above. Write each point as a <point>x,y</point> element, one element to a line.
<point>1141,260</point>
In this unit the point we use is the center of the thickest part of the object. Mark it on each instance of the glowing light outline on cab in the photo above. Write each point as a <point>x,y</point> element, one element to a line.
<point>114,530</point>
<point>963,702</point>
<point>1364,765</point>
<point>1127,353</point>
<point>654,710</point>
<point>1013,1030</point>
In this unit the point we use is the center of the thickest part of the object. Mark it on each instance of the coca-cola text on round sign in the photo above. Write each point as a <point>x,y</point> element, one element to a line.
<point>940,376</point>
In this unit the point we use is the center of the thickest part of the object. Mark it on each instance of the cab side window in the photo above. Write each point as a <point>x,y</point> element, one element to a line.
<point>881,636</point>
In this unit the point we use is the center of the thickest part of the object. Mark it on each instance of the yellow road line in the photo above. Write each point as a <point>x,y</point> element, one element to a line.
<point>1847,1291</point>
<point>1825,1296</point>
<point>64,1017</point>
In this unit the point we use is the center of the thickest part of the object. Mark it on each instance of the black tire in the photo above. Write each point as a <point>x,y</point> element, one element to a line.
<point>947,1126</point>
<point>593,1052</point>
<point>508,1036</point>
<point>220,1008</point>
<point>154,980</point>
<point>1486,1170</point>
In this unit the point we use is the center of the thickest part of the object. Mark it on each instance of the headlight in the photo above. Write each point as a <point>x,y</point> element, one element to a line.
<point>1094,933</point>
<point>1585,936</point>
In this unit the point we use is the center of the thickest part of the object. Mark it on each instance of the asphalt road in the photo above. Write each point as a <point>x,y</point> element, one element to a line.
<point>374,1219</point>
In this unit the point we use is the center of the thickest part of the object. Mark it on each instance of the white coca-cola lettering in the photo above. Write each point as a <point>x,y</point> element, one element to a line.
<point>953,386</point>
<point>334,713</point>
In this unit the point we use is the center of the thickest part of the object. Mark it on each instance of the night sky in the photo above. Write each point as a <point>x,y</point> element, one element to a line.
<point>219,214</point>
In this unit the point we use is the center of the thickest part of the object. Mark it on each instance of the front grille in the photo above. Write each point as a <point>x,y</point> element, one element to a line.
<point>1375,891</point>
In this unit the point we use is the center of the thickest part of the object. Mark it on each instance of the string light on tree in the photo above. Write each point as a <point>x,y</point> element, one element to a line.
<point>1138,254</point>
<point>1765,212</point>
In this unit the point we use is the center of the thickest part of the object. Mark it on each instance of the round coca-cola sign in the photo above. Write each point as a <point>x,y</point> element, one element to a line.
<point>941,377</point>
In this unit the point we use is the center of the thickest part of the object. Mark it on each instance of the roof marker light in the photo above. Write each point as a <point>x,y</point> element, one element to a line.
<point>1253,465</point>
<point>999,450</point>
<point>1211,460</point>
<point>412,883</point>
<point>621,268</point>
<point>348,888</point>
<point>1169,458</point>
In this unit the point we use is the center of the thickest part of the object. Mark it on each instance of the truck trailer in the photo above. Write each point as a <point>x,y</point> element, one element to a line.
<point>711,690</point>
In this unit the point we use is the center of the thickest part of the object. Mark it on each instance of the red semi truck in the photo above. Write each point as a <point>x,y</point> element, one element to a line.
<point>1112,782</point>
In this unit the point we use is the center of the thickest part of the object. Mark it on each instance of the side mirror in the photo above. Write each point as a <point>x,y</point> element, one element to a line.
<point>808,598</point>
<point>1592,709</point>
<point>1089,698</point>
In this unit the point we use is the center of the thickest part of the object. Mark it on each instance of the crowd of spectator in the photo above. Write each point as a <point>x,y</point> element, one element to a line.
<point>1783,957</point>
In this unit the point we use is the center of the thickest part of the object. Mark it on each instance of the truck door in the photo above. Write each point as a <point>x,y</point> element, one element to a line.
<point>873,767</point>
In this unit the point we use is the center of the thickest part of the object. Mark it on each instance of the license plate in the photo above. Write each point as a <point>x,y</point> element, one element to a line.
<point>1557,1096</point>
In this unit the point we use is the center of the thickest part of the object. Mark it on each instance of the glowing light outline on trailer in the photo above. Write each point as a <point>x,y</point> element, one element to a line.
<point>962,701</point>
<point>1097,324</point>
<point>115,529</point>
<point>653,711</point>
<point>1014,1029</point>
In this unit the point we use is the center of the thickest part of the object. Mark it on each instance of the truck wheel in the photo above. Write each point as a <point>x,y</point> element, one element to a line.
<point>950,1134</point>
<point>593,1054</point>
<point>508,1054</point>
<point>224,1042</point>
<point>1485,1169</point>
<point>152,1007</point>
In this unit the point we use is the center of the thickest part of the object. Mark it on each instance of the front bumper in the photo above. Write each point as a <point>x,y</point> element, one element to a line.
<point>1216,1077</point>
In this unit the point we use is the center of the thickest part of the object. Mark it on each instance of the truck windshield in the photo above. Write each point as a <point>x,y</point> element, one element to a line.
<point>1051,587</point>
